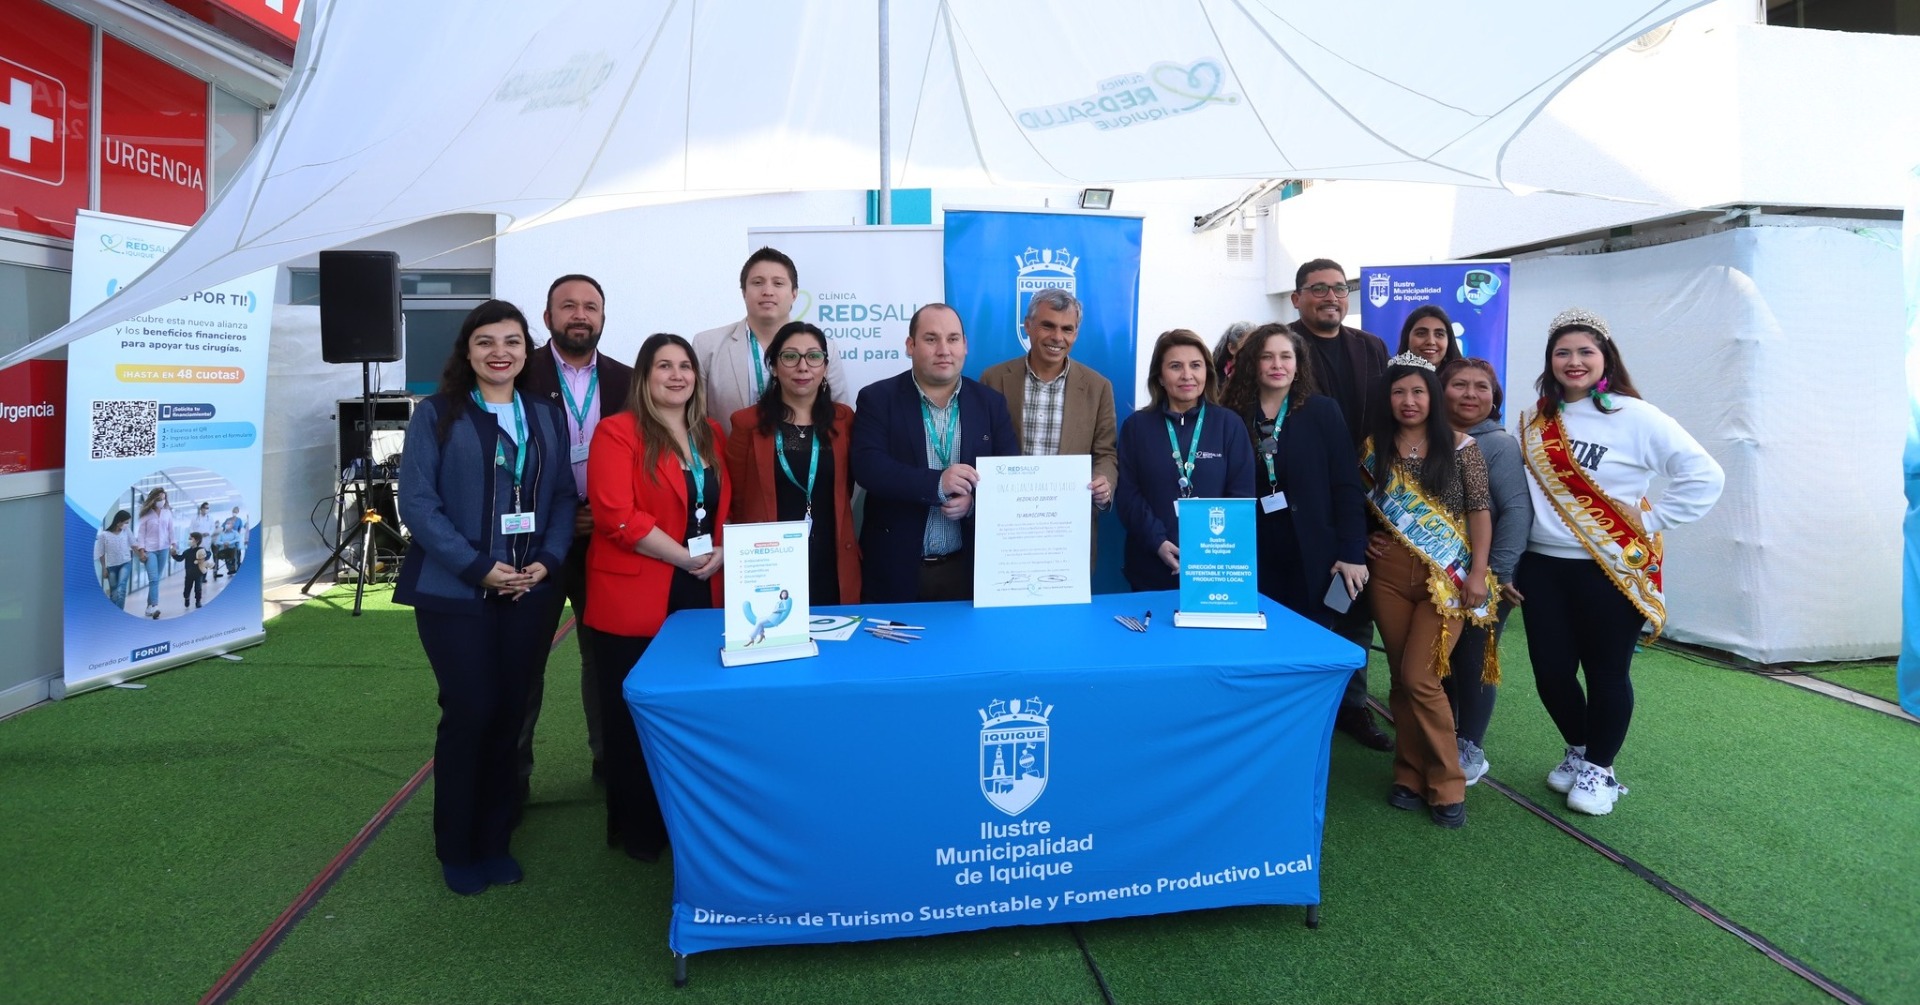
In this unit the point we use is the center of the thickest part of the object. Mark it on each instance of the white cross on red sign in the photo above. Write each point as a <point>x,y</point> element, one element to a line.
<point>32,105</point>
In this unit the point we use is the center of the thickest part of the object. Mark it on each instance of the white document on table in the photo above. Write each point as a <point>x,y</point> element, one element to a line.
<point>1033,531</point>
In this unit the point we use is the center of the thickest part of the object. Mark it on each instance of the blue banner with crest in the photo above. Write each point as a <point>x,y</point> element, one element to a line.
<point>996,261</point>
<point>1218,558</point>
<point>1475,296</point>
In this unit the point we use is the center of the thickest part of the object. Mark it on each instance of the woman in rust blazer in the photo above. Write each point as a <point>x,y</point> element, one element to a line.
<point>797,417</point>
<point>656,479</point>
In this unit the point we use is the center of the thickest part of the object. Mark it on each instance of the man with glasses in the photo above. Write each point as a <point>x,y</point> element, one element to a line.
<point>1059,408</point>
<point>732,357</point>
<point>915,439</point>
<point>1346,363</point>
<point>571,372</point>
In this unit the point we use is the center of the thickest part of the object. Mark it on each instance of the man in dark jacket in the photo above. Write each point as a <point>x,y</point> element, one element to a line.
<point>1346,362</point>
<point>915,439</point>
<point>571,372</point>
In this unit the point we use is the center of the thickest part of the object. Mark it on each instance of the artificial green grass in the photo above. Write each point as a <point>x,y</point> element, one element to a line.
<point>1783,809</point>
<point>155,833</point>
<point>152,834</point>
<point>1880,680</point>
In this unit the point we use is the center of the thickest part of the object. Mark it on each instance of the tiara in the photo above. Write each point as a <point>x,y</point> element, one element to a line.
<point>1412,359</point>
<point>1578,317</point>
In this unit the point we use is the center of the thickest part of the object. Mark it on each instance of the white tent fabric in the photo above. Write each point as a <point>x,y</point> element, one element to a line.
<point>399,112</point>
<point>1798,393</point>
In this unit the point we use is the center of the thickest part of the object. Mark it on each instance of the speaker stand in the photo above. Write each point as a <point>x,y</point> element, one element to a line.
<point>371,523</point>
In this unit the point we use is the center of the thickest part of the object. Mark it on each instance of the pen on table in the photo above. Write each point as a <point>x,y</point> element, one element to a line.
<point>1146,620</point>
<point>903,640</point>
<point>903,626</point>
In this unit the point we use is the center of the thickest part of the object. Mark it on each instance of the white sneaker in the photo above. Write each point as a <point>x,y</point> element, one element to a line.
<point>1595,792</point>
<point>1473,760</point>
<point>1561,779</point>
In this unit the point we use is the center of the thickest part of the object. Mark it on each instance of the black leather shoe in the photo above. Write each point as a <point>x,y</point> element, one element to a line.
<point>1450,816</point>
<point>1358,723</point>
<point>1403,798</point>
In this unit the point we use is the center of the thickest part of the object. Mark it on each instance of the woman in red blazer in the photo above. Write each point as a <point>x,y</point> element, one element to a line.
<point>797,417</point>
<point>656,481</point>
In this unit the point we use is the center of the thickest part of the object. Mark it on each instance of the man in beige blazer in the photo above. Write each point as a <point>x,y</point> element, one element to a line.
<point>1057,407</point>
<point>732,357</point>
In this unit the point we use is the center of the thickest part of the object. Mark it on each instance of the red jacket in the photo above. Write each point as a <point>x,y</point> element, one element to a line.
<point>630,589</point>
<point>751,468</point>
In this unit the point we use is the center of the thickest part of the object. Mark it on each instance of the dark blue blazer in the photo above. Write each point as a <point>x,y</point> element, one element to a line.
<point>890,462</point>
<point>1329,509</point>
<point>1149,483</point>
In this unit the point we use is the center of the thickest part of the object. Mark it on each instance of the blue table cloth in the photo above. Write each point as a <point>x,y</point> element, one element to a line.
<point>1017,766</point>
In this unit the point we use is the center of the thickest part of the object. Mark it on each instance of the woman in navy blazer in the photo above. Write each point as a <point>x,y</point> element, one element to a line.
<point>1181,445</point>
<point>486,491</point>
<point>1316,528</point>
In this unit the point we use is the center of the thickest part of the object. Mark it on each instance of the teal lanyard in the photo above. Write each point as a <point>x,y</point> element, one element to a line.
<point>699,470</point>
<point>759,365</point>
<point>942,447</point>
<point>580,411</point>
<point>520,445</point>
<point>813,466</point>
<point>1184,466</point>
<point>1273,480</point>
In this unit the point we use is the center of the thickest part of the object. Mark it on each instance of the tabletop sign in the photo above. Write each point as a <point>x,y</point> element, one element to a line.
<point>1219,576</point>
<point>766,593</point>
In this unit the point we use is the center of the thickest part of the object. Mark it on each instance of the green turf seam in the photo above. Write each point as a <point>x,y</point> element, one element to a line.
<point>276,933</point>
<point>1780,956</point>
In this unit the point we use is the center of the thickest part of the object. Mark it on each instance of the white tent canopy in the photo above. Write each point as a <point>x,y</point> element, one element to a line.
<point>400,112</point>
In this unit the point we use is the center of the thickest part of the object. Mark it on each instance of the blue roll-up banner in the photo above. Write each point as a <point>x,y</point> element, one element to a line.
<point>996,260</point>
<point>1474,295</point>
<point>1908,674</point>
<point>163,443</point>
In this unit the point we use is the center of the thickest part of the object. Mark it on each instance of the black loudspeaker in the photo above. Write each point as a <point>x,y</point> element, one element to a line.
<point>360,306</point>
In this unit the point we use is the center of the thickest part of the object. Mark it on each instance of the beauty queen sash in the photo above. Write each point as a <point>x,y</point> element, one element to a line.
<point>1610,530</point>
<point>1440,540</point>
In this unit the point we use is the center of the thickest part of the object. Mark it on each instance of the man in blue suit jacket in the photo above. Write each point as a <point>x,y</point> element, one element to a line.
<point>915,439</point>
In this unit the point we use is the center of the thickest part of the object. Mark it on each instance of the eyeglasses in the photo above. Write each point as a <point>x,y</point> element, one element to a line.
<point>1322,289</point>
<point>792,357</point>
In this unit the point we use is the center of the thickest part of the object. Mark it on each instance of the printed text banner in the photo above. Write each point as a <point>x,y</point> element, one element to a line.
<point>171,401</point>
<point>1475,296</point>
<point>1048,766</point>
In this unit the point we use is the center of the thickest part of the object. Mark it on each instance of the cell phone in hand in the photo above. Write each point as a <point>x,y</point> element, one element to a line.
<point>1337,597</point>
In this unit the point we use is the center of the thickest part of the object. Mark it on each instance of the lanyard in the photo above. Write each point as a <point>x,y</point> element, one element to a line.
<point>759,365</point>
<point>1184,467</point>
<point>1273,446</point>
<point>942,447</point>
<point>580,410</point>
<point>813,466</point>
<point>520,445</point>
<point>699,470</point>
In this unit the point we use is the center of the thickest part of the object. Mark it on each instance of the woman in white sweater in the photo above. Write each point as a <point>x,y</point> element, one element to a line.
<point>1592,572</point>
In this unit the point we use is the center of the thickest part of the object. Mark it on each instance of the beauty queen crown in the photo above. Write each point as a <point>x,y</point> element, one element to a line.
<point>1412,359</point>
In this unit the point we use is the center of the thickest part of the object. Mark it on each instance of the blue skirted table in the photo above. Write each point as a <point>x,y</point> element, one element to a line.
<point>1017,766</point>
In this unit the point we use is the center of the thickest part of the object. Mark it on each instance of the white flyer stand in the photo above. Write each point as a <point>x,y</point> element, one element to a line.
<point>766,593</point>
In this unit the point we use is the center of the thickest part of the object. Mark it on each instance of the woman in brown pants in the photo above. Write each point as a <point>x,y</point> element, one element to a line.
<point>1427,486</point>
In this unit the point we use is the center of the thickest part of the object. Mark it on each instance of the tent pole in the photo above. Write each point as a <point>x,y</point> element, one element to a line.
<point>886,124</point>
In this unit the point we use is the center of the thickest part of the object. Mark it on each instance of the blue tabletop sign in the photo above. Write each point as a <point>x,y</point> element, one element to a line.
<point>1218,560</point>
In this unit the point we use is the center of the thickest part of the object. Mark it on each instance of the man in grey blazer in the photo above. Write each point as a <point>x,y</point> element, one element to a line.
<point>732,357</point>
<point>1057,407</point>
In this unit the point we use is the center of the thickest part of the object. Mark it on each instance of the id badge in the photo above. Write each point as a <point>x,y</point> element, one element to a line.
<point>578,454</point>
<point>1273,503</point>
<point>516,523</point>
<point>700,546</point>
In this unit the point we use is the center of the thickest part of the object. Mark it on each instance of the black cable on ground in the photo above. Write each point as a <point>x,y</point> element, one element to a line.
<point>1796,966</point>
<point>1099,979</point>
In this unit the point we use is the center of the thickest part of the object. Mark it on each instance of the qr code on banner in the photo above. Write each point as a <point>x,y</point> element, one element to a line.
<point>124,429</point>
